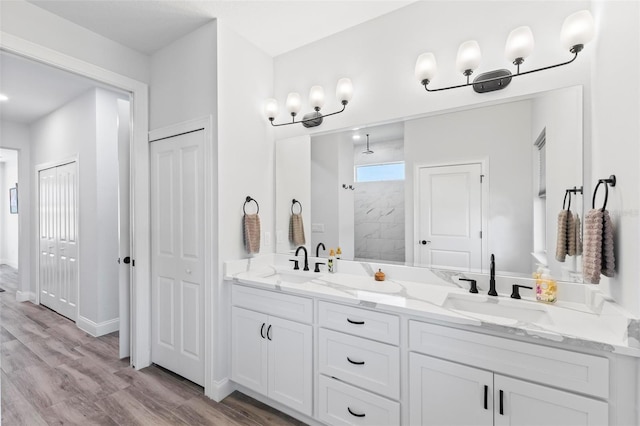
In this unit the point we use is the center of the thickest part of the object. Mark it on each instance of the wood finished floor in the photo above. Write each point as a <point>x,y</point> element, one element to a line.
<point>55,374</point>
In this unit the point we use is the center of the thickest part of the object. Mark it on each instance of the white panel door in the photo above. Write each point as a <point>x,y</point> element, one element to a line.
<point>526,404</point>
<point>449,211</point>
<point>444,393</point>
<point>177,263</point>
<point>58,229</point>
<point>290,363</point>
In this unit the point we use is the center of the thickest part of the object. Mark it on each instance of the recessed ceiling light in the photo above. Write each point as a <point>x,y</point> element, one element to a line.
<point>3,97</point>
<point>356,137</point>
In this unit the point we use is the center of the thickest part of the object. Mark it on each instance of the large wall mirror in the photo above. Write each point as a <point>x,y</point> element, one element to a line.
<point>445,190</point>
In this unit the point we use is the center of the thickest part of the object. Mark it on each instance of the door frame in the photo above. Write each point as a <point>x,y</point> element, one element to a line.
<point>140,227</point>
<point>484,202</point>
<point>36,210</point>
<point>210,322</point>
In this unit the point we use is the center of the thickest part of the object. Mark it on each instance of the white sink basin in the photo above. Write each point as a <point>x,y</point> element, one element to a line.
<point>293,277</point>
<point>516,310</point>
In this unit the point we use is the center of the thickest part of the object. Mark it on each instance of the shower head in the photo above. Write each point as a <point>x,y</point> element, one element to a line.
<point>367,151</point>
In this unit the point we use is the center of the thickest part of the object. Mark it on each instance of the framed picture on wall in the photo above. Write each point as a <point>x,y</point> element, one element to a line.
<point>13,200</point>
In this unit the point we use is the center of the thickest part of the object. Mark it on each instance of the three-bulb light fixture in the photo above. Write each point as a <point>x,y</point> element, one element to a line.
<point>577,30</point>
<point>344,93</point>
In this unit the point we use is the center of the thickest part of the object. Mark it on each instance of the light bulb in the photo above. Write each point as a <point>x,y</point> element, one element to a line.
<point>294,104</point>
<point>519,44</point>
<point>578,29</point>
<point>426,67</point>
<point>468,56</point>
<point>344,90</point>
<point>271,108</point>
<point>316,97</point>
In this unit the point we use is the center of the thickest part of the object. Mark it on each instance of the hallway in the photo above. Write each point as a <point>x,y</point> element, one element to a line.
<point>54,373</point>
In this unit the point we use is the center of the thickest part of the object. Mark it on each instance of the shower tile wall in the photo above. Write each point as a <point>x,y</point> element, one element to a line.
<point>379,208</point>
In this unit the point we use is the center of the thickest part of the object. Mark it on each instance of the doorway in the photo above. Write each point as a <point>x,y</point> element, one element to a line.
<point>449,216</point>
<point>9,212</point>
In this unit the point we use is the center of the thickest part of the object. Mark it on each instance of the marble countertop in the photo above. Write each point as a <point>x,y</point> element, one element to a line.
<point>583,319</point>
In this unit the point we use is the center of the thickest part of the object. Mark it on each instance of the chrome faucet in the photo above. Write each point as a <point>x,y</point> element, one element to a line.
<point>492,278</point>
<point>306,257</point>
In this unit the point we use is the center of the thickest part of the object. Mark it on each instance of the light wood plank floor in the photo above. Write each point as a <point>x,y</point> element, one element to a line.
<point>55,374</point>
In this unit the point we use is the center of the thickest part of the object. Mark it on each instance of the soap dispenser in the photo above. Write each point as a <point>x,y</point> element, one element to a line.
<point>330,262</point>
<point>546,287</point>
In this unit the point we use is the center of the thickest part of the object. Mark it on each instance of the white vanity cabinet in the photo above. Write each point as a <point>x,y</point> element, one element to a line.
<point>359,365</point>
<point>468,388</point>
<point>270,354</point>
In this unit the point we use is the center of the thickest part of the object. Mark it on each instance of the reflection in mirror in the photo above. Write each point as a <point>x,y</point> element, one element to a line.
<point>448,189</point>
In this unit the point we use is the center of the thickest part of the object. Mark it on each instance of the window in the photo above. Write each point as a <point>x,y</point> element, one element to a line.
<point>380,172</point>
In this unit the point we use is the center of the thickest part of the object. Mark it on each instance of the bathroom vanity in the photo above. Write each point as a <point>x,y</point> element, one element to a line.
<point>418,348</point>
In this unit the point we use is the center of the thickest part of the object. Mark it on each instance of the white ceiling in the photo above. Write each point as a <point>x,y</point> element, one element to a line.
<point>35,89</point>
<point>273,26</point>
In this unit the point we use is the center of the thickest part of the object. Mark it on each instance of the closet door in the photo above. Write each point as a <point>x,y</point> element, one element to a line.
<point>58,274</point>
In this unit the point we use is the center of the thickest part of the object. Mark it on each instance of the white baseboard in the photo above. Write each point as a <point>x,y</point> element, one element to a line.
<point>221,390</point>
<point>12,263</point>
<point>25,296</point>
<point>98,329</point>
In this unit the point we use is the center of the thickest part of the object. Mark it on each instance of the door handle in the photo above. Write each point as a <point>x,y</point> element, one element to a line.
<point>262,330</point>
<point>486,397</point>
<point>501,403</point>
<point>127,260</point>
<point>269,332</point>
<point>425,242</point>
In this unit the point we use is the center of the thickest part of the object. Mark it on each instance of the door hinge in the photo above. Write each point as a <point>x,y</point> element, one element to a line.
<point>481,178</point>
<point>133,262</point>
<point>480,234</point>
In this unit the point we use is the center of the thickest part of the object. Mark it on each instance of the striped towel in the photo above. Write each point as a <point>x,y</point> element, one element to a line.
<point>251,233</point>
<point>296,230</point>
<point>598,257</point>
<point>565,226</point>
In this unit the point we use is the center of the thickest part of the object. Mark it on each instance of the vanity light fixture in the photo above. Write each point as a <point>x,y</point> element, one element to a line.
<point>344,93</point>
<point>577,30</point>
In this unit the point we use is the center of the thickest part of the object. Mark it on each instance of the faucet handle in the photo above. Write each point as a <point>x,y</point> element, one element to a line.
<point>295,264</point>
<point>317,268</point>
<point>473,288</point>
<point>515,291</point>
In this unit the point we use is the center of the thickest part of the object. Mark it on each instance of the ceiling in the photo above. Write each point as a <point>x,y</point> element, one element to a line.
<point>275,27</point>
<point>35,89</point>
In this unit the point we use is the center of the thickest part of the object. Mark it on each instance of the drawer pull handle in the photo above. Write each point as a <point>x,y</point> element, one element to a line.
<point>354,414</point>
<point>355,362</point>
<point>501,403</point>
<point>355,322</point>
<point>262,330</point>
<point>486,397</point>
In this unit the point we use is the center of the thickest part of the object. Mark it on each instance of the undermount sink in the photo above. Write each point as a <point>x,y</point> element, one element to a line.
<point>292,277</point>
<point>517,310</point>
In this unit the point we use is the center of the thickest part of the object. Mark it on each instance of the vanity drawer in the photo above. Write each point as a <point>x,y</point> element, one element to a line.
<point>361,322</point>
<point>372,365</point>
<point>556,367</point>
<point>273,303</point>
<point>341,404</point>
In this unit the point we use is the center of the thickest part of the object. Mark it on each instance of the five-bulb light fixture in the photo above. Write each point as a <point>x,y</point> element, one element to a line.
<point>577,30</point>
<point>344,93</point>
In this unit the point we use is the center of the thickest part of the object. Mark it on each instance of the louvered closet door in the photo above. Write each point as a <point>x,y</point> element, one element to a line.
<point>177,263</point>
<point>59,239</point>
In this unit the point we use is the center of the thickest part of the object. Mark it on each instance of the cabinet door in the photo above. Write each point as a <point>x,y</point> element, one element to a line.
<point>522,403</point>
<point>445,393</point>
<point>290,363</point>
<point>249,349</point>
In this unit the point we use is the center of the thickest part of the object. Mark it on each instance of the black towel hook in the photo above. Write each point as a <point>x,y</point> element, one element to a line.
<point>293,203</point>
<point>611,181</point>
<point>567,192</point>
<point>247,200</point>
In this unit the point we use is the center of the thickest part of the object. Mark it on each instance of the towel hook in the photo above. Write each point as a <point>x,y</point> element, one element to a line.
<point>611,181</point>
<point>567,192</point>
<point>248,200</point>
<point>293,203</point>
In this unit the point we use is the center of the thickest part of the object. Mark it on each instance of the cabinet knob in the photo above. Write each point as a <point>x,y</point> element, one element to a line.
<point>425,242</point>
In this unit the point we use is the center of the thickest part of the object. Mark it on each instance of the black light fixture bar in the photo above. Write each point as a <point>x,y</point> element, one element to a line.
<point>478,81</point>
<point>317,118</point>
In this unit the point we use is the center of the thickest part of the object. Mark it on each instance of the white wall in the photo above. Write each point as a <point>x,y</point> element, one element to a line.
<point>245,158</point>
<point>86,128</point>
<point>16,136</point>
<point>9,239</point>
<point>39,26</point>
<point>380,55</point>
<point>497,134</point>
